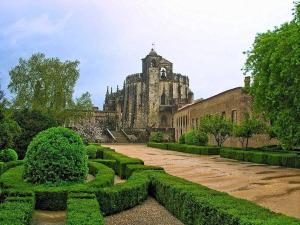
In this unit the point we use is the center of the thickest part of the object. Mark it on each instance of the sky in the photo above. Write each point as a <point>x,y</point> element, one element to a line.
<point>203,39</point>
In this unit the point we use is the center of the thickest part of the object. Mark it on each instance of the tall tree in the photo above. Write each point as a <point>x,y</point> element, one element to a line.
<point>44,84</point>
<point>274,63</point>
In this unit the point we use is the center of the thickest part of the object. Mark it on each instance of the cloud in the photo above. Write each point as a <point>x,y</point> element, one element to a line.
<point>29,27</point>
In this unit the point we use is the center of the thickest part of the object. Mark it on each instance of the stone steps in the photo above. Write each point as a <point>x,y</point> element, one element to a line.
<point>120,137</point>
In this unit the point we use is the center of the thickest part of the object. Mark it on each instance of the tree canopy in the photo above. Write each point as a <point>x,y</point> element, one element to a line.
<point>44,84</point>
<point>274,63</point>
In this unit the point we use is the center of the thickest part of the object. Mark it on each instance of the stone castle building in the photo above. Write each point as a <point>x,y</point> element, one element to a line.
<point>159,99</point>
<point>149,99</point>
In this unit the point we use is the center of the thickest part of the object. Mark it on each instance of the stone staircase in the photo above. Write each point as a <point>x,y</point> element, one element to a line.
<point>120,137</point>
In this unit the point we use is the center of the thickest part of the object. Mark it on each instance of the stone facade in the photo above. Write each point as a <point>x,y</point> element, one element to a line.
<point>92,126</point>
<point>233,104</point>
<point>149,99</point>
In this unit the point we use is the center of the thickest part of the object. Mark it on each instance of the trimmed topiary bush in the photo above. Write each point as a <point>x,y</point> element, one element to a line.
<point>195,137</point>
<point>91,151</point>
<point>8,155</point>
<point>56,155</point>
<point>156,137</point>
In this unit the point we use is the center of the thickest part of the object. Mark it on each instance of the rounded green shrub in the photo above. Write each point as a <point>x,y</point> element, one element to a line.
<point>196,137</point>
<point>157,137</point>
<point>91,151</point>
<point>55,155</point>
<point>8,155</point>
<point>182,139</point>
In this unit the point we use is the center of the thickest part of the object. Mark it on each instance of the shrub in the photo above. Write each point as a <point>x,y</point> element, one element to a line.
<point>125,195</point>
<point>8,155</point>
<point>196,137</point>
<point>83,209</point>
<point>91,151</point>
<point>157,137</point>
<point>55,155</point>
<point>182,139</point>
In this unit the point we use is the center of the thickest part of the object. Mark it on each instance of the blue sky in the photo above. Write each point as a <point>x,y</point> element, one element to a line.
<point>204,39</point>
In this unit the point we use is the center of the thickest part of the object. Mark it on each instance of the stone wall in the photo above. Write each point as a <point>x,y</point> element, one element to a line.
<point>232,104</point>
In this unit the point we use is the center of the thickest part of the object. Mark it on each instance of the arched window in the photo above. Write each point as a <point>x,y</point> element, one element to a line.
<point>163,73</point>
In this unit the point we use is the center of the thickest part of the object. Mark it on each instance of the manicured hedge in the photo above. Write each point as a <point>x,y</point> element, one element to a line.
<point>193,149</point>
<point>50,197</point>
<point>83,208</point>
<point>111,163</point>
<point>17,210</point>
<point>121,161</point>
<point>101,149</point>
<point>124,195</point>
<point>91,151</point>
<point>137,167</point>
<point>263,157</point>
<point>158,145</point>
<point>5,166</point>
<point>194,204</point>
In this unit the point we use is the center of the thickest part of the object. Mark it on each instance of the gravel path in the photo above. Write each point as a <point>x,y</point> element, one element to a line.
<point>276,188</point>
<point>148,213</point>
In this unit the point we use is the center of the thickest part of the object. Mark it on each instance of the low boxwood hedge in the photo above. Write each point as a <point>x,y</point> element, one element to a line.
<point>124,195</point>
<point>121,161</point>
<point>286,159</point>
<point>49,197</point>
<point>83,208</point>
<point>111,163</point>
<point>137,167</point>
<point>101,149</point>
<point>193,149</point>
<point>17,210</point>
<point>195,204</point>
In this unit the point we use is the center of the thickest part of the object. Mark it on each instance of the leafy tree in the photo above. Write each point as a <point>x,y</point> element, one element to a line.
<point>248,128</point>
<point>84,102</point>
<point>81,109</point>
<point>31,122</point>
<point>273,61</point>
<point>218,126</point>
<point>9,129</point>
<point>44,84</point>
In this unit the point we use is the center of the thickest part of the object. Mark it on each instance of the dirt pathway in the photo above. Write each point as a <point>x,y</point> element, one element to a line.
<point>276,188</point>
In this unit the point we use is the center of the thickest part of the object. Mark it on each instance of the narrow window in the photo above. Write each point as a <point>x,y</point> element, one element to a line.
<point>234,116</point>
